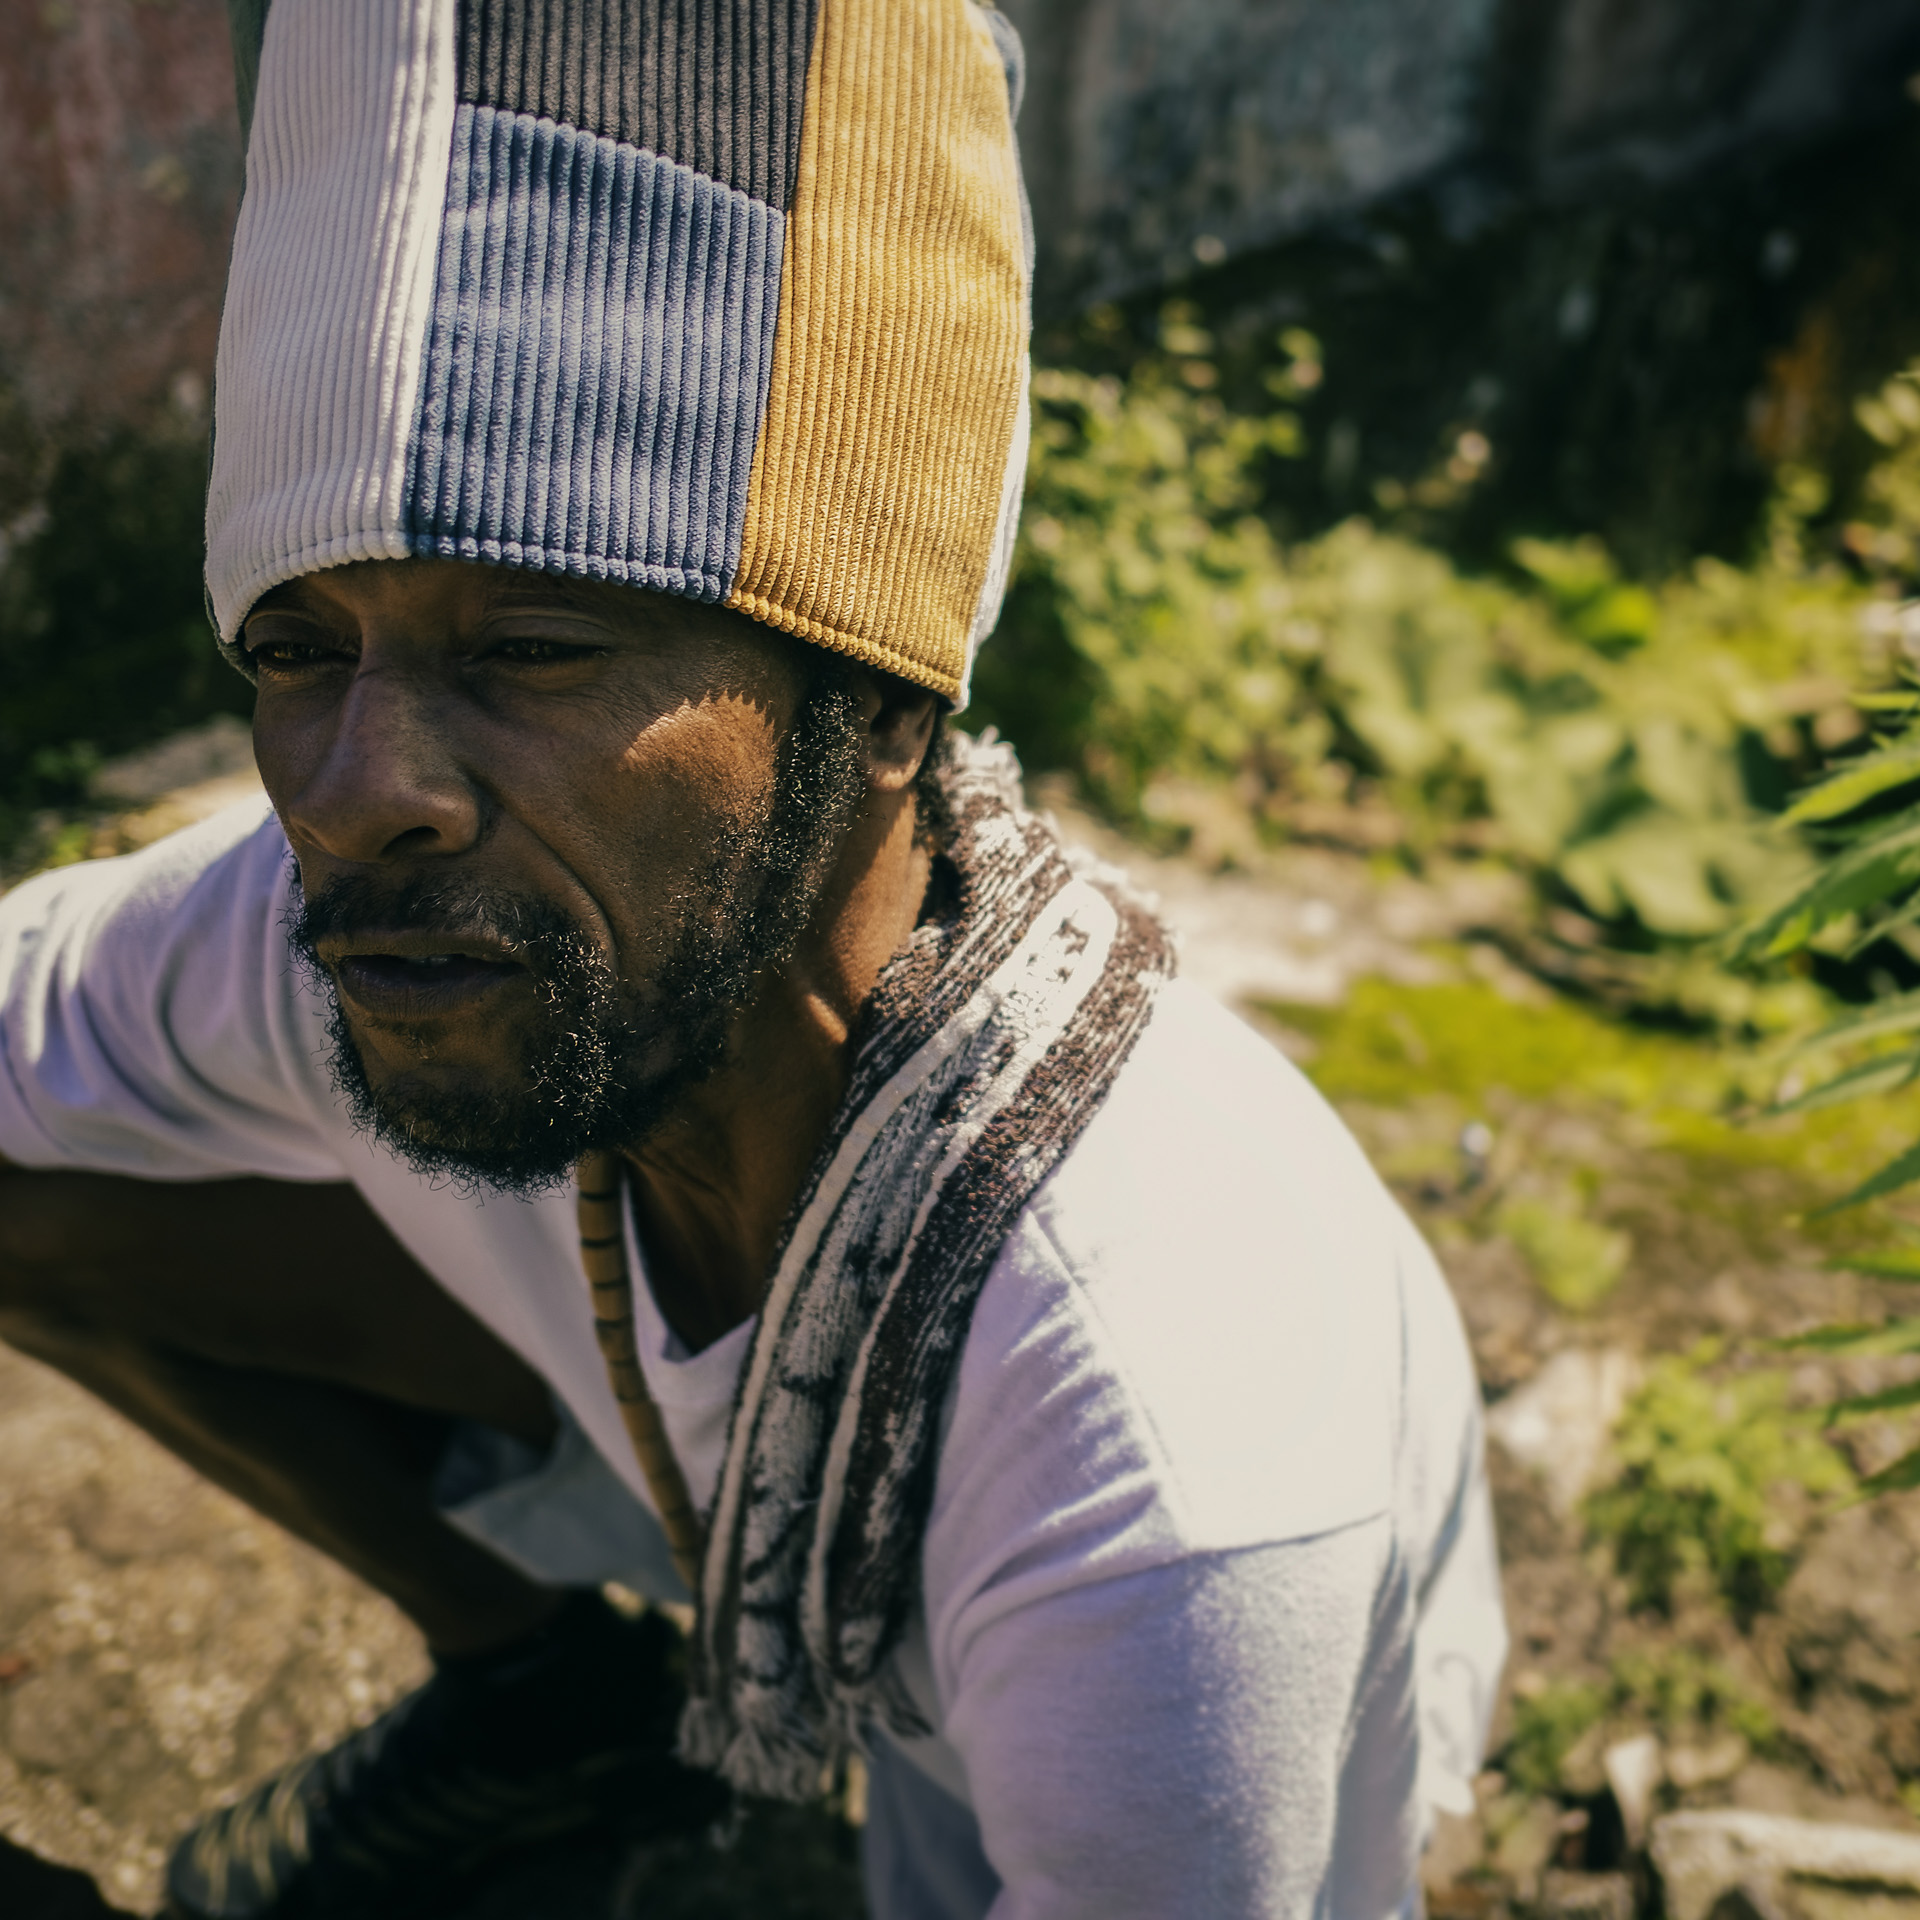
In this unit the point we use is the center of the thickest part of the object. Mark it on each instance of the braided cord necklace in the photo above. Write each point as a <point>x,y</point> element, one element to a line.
<point>603,1252</point>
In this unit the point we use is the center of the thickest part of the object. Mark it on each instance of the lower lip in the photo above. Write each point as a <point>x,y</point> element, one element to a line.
<point>396,989</point>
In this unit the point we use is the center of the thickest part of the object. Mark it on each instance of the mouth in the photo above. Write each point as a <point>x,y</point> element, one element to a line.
<point>413,978</point>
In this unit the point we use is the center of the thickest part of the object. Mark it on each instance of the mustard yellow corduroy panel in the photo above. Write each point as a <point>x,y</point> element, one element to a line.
<point>897,360</point>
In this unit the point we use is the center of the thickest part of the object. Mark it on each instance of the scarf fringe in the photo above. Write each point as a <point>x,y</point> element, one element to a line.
<point>748,1758</point>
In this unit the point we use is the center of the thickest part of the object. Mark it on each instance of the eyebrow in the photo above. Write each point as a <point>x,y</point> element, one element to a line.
<point>518,589</point>
<point>285,598</point>
<point>513,591</point>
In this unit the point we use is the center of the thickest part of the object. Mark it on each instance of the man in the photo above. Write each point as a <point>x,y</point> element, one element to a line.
<point>620,422</point>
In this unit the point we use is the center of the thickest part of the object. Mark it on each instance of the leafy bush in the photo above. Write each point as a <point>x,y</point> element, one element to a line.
<point>1621,741</point>
<point>104,642</point>
<point>1864,892</point>
<point>1705,1459</point>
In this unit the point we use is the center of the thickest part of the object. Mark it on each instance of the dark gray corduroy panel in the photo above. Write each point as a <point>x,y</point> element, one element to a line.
<point>717,85</point>
<point>597,363</point>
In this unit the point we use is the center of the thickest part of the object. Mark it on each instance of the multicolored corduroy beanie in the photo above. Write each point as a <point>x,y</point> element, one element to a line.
<point>721,298</point>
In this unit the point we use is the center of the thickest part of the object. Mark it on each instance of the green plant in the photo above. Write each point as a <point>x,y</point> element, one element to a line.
<point>1146,633</point>
<point>1619,740</point>
<point>1548,1722</point>
<point>1706,1456</point>
<point>1863,897</point>
<point>104,643</point>
<point>1576,1261</point>
<point>1681,1691</point>
<point>1676,1690</point>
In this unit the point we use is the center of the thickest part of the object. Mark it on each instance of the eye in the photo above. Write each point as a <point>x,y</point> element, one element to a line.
<point>277,645</point>
<point>531,650</point>
<point>538,653</point>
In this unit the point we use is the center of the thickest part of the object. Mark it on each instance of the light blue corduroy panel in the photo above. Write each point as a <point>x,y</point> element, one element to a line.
<point>597,365</point>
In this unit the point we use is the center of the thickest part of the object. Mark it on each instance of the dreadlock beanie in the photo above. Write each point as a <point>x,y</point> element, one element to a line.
<point>721,298</point>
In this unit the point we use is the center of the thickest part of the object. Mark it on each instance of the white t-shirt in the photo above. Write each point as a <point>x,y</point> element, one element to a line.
<point>1210,1612</point>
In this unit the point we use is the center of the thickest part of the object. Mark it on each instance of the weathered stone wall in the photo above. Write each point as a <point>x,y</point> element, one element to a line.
<point>119,174</point>
<point>1156,137</point>
<point>1159,136</point>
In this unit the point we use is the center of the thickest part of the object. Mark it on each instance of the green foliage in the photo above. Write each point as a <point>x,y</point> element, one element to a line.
<point>1484,1056</point>
<point>1149,589</point>
<point>1676,1690</point>
<point>1681,1691</point>
<point>1391,1042</point>
<point>1577,1261</point>
<point>1865,891</point>
<point>104,643</point>
<point>1886,537</point>
<point>1547,1724</point>
<point>1614,738</point>
<point>1897,1336</point>
<point>1705,1458</point>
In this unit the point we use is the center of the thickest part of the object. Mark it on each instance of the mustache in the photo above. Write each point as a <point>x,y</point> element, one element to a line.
<point>535,931</point>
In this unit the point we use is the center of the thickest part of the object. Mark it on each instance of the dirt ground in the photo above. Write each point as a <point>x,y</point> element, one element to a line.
<point>161,1647</point>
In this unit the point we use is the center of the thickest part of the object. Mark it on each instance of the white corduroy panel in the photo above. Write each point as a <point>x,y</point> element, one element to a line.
<point>331,292</point>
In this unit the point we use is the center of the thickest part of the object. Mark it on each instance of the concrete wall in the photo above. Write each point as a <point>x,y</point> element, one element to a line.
<point>1159,135</point>
<point>119,174</point>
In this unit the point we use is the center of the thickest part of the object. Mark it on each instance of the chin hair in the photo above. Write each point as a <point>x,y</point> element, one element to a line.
<point>524,1135</point>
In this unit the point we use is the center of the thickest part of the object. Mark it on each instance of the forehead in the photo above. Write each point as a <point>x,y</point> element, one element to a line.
<point>433,608</point>
<point>452,595</point>
<point>459,587</point>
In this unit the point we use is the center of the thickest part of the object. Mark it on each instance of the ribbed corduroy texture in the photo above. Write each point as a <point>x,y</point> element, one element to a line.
<point>322,343</point>
<point>897,371</point>
<point>479,330</point>
<point>716,85</point>
<point>598,359</point>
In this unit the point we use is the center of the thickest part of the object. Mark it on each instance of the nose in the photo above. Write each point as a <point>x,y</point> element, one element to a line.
<point>385,781</point>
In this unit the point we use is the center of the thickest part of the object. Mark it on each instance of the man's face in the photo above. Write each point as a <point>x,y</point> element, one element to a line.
<point>549,835</point>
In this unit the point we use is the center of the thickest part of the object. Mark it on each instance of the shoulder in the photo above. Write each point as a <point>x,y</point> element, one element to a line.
<point>225,871</point>
<point>198,916</point>
<point>151,1018</point>
<point>1195,1338</point>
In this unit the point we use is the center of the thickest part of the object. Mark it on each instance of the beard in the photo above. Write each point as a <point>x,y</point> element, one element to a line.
<point>603,1066</point>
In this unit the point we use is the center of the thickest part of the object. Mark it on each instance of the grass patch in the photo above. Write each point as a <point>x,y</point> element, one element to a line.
<point>1576,1261</point>
<point>1561,1728</point>
<point>1475,1054</point>
<point>1684,1693</point>
<point>1547,1725</point>
<point>1712,1467</point>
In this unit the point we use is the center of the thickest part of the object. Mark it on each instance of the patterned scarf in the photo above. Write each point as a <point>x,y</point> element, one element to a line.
<point>990,1043</point>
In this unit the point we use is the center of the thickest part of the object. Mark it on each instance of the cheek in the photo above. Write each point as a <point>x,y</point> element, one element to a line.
<point>276,745</point>
<point>649,818</point>
<point>702,767</point>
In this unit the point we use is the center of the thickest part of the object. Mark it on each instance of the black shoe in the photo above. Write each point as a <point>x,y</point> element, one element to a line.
<point>566,1736</point>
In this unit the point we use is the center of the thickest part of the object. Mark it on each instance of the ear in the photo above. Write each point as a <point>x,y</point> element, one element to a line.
<point>899,719</point>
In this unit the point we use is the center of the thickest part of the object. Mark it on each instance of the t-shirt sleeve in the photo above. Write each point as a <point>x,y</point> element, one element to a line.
<point>1208,1578</point>
<point>1222,1736</point>
<point>1150,1723</point>
<point>152,1020</point>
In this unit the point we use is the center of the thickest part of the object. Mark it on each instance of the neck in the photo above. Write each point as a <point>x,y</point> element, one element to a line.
<point>714,1186</point>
